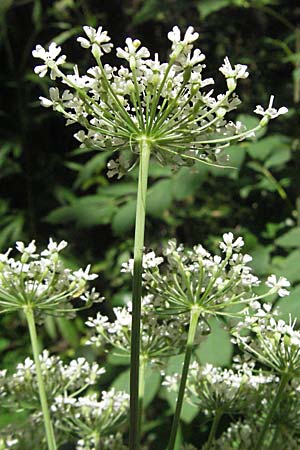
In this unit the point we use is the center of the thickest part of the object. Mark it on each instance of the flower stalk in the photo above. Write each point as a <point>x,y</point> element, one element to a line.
<point>50,437</point>
<point>282,385</point>
<point>194,317</point>
<point>135,400</point>
<point>214,427</point>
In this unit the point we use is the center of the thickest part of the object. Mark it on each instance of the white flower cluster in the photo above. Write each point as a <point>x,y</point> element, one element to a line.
<point>40,281</point>
<point>229,390</point>
<point>150,260</point>
<point>89,416</point>
<point>190,278</point>
<point>21,387</point>
<point>272,341</point>
<point>111,442</point>
<point>160,337</point>
<point>165,103</point>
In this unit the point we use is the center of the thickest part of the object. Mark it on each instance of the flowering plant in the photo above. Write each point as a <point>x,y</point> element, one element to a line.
<point>148,108</point>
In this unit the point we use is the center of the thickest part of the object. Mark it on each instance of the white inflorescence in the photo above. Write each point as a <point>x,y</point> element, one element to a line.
<point>166,103</point>
<point>213,283</point>
<point>40,281</point>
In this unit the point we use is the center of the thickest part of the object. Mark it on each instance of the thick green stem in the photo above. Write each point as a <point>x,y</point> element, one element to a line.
<point>41,386</point>
<point>134,421</point>
<point>213,430</point>
<point>283,382</point>
<point>195,312</point>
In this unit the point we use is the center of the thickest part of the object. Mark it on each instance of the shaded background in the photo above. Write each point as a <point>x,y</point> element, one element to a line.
<point>49,190</point>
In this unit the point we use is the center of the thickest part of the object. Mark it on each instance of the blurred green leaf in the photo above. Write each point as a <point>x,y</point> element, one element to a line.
<point>288,267</point>
<point>189,411</point>
<point>290,239</point>
<point>152,384</point>
<point>217,348</point>
<point>124,219</point>
<point>86,212</point>
<point>261,259</point>
<point>290,305</point>
<point>159,197</point>
<point>206,7</point>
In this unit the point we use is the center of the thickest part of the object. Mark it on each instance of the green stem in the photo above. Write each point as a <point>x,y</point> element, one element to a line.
<point>134,422</point>
<point>41,386</point>
<point>213,429</point>
<point>143,362</point>
<point>283,382</point>
<point>195,313</point>
<point>274,442</point>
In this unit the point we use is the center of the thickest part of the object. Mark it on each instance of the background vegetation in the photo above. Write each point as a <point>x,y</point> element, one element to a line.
<point>48,188</point>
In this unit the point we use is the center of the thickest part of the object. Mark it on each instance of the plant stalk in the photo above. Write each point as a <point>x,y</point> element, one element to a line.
<point>41,386</point>
<point>283,382</point>
<point>135,401</point>
<point>195,313</point>
<point>143,363</point>
<point>214,427</point>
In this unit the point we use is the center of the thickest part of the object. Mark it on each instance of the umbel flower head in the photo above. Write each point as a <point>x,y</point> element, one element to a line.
<point>20,389</point>
<point>41,281</point>
<point>160,336</point>
<point>271,341</point>
<point>213,284</point>
<point>166,104</point>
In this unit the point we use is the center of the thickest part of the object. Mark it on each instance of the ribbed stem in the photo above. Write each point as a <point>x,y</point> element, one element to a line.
<point>283,382</point>
<point>187,359</point>
<point>41,386</point>
<point>134,417</point>
<point>213,430</point>
<point>142,369</point>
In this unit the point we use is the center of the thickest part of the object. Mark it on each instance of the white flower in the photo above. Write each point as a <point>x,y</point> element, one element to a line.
<point>175,35</point>
<point>239,71</point>
<point>98,37</point>
<point>279,284</point>
<point>29,250</point>
<point>49,57</point>
<point>53,247</point>
<point>83,275</point>
<point>229,242</point>
<point>131,50</point>
<point>270,112</point>
<point>55,98</point>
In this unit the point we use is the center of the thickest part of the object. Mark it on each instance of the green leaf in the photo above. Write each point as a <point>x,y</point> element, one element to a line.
<point>288,267</point>
<point>207,7</point>
<point>69,331</point>
<point>261,259</point>
<point>159,197</point>
<point>268,146</point>
<point>124,219</point>
<point>290,239</point>
<point>290,305</point>
<point>278,158</point>
<point>187,182</point>
<point>217,348</point>
<point>152,384</point>
<point>86,212</point>
<point>189,411</point>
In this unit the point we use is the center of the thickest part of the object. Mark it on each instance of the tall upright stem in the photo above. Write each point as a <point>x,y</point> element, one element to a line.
<point>134,419</point>
<point>283,382</point>
<point>41,386</point>
<point>195,312</point>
